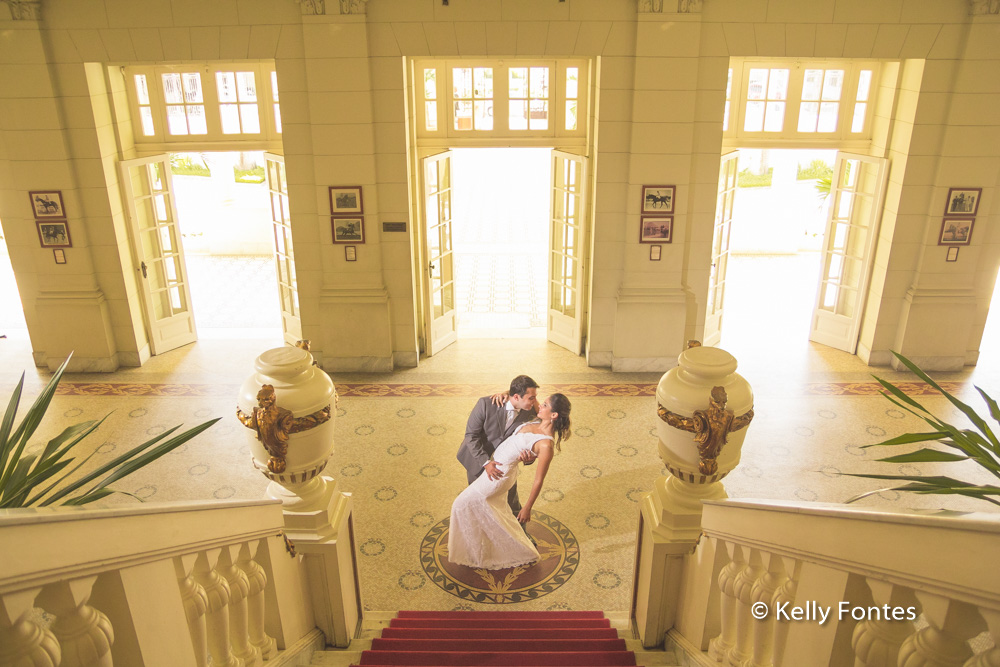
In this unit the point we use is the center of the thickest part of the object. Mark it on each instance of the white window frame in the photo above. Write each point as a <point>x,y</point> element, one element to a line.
<point>734,134</point>
<point>501,129</point>
<point>269,136</point>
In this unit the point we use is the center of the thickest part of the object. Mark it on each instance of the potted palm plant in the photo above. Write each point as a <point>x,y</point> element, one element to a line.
<point>47,477</point>
<point>979,445</point>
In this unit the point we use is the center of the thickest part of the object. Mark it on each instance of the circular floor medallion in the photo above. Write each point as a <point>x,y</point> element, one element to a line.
<point>560,556</point>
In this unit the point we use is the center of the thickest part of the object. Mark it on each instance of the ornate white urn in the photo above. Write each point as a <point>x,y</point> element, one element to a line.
<point>288,406</point>
<point>704,407</point>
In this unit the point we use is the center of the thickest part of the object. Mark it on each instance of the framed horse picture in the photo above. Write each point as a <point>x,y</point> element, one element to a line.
<point>53,233</point>
<point>47,204</point>
<point>346,200</point>
<point>348,229</point>
<point>656,229</point>
<point>657,199</point>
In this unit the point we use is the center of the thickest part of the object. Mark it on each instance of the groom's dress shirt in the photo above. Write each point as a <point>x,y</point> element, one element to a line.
<point>512,413</point>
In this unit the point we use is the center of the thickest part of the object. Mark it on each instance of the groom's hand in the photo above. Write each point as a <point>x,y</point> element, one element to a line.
<point>493,470</point>
<point>526,456</point>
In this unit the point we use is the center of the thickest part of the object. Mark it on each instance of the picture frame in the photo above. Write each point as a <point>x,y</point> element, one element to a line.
<point>348,229</point>
<point>47,204</point>
<point>658,198</point>
<point>60,255</point>
<point>956,231</point>
<point>351,253</point>
<point>53,234</point>
<point>963,201</point>
<point>654,253</point>
<point>952,255</point>
<point>656,229</point>
<point>345,200</point>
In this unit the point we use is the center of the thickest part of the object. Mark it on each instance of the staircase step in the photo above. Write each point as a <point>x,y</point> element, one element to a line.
<point>465,632</point>
<point>481,622</point>
<point>519,658</point>
<point>498,645</point>
<point>502,615</point>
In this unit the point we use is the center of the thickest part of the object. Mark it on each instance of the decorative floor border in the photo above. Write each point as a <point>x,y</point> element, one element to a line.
<point>413,390</point>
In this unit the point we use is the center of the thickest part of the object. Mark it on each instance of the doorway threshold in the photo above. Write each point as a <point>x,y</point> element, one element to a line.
<point>248,333</point>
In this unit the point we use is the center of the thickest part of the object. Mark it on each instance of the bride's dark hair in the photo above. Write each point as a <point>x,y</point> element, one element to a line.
<point>560,425</point>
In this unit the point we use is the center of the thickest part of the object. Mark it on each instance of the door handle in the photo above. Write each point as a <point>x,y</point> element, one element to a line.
<point>430,266</point>
<point>142,265</point>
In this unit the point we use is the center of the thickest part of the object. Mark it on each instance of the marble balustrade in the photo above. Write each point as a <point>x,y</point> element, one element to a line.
<point>171,585</point>
<point>784,584</point>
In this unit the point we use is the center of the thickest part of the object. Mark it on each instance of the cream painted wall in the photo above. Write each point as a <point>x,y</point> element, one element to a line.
<point>662,77</point>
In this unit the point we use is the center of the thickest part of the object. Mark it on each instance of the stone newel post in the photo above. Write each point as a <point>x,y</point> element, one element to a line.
<point>703,408</point>
<point>289,405</point>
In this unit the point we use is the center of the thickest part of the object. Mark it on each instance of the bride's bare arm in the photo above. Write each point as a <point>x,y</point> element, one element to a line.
<point>544,458</point>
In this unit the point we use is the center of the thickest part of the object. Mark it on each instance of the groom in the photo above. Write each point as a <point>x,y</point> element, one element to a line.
<point>491,424</point>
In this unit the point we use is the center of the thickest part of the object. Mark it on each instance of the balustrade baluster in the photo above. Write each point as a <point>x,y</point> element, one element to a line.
<point>990,658</point>
<point>876,640</point>
<point>22,640</point>
<point>942,643</point>
<point>85,634</point>
<point>785,593</point>
<point>742,587</point>
<point>257,578</point>
<point>720,646</point>
<point>195,605</point>
<point>763,592</point>
<point>239,589</point>
<point>217,614</point>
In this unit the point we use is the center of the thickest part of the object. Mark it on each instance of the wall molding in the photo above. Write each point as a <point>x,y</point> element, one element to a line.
<point>24,10</point>
<point>671,6</point>
<point>629,294</point>
<point>352,294</point>
<point>984,7</point>
<point>319,7</point>
<point>916,294</point>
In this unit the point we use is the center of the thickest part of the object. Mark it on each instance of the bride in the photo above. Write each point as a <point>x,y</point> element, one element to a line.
<point>483,532</point>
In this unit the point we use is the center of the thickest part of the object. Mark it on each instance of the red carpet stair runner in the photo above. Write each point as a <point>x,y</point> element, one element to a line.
<point>460,638</point>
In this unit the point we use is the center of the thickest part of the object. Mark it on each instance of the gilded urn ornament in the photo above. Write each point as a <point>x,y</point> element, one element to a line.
<point>703,396</point>
<point>286,405</point>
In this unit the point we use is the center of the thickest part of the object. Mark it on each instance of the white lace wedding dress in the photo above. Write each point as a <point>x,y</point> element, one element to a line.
<point>483,532</point>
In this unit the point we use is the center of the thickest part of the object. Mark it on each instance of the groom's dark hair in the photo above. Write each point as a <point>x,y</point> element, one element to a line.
<point>521,384</point>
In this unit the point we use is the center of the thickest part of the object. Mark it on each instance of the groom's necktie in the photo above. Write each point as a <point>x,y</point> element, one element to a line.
<point>510,418</point>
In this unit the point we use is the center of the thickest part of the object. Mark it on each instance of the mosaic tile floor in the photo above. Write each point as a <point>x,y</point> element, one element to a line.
<point>397,436</point>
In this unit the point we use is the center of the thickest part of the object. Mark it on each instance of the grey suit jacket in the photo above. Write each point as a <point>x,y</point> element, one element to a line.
<point>484,432</point>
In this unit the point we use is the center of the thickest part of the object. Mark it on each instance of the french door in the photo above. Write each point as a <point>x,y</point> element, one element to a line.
<point>565,312</point>
<point>720,247</point>
<point>441,320</point>
<point>284,254</point>
<point>857,191</point>
<point>158,253</point>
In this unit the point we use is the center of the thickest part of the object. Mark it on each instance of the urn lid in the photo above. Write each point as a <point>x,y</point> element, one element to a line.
<point>707,362</point>
<point>283,362</point>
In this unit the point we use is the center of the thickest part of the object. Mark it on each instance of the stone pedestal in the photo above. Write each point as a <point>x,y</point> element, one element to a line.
<point>704,407</point>
<point>291,437</point>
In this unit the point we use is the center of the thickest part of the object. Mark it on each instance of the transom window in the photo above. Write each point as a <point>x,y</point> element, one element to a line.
<point>501,98</point>
<point>815,100</point>
<point>176,104</point>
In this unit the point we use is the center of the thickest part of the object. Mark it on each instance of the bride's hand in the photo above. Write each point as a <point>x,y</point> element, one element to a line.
<point>524,516</point>
<point>499,399</point>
